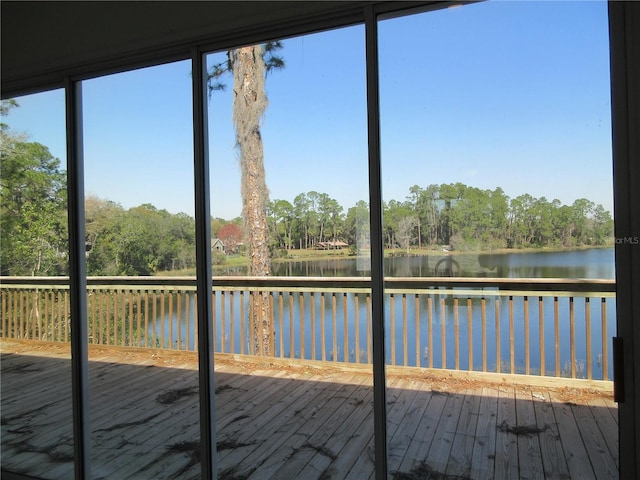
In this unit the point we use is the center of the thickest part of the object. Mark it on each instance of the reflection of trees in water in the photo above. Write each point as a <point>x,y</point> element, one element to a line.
<point>596,263</point>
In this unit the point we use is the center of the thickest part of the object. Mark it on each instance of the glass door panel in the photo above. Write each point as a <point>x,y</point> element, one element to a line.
<point>497,182</point>
<point>290,227</point>
<point>143,364</point>
<point>37,437</point>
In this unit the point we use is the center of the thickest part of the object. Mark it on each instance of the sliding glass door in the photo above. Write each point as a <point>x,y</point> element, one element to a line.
<point>496,167</point>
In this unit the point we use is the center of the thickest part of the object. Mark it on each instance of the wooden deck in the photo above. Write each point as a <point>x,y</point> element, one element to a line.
<point>295,422</point>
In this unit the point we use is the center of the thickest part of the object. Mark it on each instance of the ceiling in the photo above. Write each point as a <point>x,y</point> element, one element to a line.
<point>43,42</point>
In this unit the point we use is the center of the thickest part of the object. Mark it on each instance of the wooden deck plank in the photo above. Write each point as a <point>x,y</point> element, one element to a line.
<point>314,434</point>
<point>296,423</point>
<point>553,457</point>
<point>417,452</point>
<point>506,456</point>
<point>529,455</point>
<point>575,454</point>
<point>484,446</point>
<point>322,463</point>
<point>276,437</point>
<point>264,435</point>
<point>440,448</point>
<point>462,448</point>
<point>408,410</point>
<point>602,462</point>
<point>607,425</point>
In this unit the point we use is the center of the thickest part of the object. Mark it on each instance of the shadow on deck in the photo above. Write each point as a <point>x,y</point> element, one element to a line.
<point>287,422</point>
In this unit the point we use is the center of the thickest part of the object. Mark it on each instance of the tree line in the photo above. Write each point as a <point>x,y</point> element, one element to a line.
<point>460,216</point>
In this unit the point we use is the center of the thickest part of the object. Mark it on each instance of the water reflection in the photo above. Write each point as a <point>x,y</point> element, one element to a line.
<point>591,263</point>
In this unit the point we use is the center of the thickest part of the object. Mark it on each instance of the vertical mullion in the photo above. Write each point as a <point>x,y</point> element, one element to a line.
<point>204,282</point>
<point>377,273</point>
<point>77,280</point>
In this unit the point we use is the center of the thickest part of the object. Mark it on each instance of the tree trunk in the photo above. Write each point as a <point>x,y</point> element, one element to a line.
<point>250,102</point>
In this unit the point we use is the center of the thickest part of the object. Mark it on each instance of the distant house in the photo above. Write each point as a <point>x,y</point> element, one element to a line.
<point>217,245</point>
<point>331,245</point>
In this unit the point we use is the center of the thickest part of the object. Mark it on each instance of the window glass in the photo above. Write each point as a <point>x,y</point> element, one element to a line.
<point>143,364</point>
<point>37,436</point>
<point>290,226</point>
<point>497,181</point>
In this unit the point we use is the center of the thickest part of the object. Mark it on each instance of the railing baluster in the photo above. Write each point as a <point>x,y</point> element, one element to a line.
<point>470,333</point>
<point>281,319</point>
<point>512,354</point>
<point>67,316</point>
<point>313,325</point>
<point>605,339</point>
<point>171,320</point>
<point>416,307</point>
<point>187,320</point>
<point>404,330</point>
<point>498,345</point>
<point>232,316</point>
<point>556,333</point>
<point>369,328</point>
<point>456,334</point>
<point>587,318</point>
<point>356,320</point>
<point>527,341</point>
<point>242,323</point>
<point>483,309</point>
<point>146,318</point>
<point>154,309</point>
<point>572,335</point>
<point>541,332</point>
<point>443,334</point>
<point>301,298</point>
<point>335,327</point>
<point>430,329</point>
<point>178,321</point>
<point>130,338</point>
<point>214,320</point>
<point>22,308</point>
<point>345,319</point>
<point>108,322</point>
<point>4,314</point>
<point>122,322</point>
<point>291,336</point>
<point>223,307</point>
<point>91,299</point>
<point>195,321</point>
<point>323,331</point>
<point>392,328</point>
<point>272,317</point>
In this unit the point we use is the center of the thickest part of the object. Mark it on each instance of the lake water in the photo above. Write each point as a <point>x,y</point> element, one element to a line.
<point>592,263</point>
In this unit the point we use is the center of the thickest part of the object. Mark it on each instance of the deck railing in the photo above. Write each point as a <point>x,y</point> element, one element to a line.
<point>547,327</point>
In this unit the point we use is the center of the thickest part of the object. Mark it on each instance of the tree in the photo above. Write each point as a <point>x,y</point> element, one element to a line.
<point>357,224</point>
<point>33,225</point>
<point>406,233</point>
<point>232,236</point>
<point>602,225</point>
<point>249,66</point>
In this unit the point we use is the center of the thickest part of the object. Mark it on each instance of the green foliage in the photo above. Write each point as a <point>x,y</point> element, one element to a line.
<point>140,241</point>
<point>33,223</point>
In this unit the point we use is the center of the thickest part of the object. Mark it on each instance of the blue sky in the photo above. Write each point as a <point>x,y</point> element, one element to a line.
<point>509,94</point>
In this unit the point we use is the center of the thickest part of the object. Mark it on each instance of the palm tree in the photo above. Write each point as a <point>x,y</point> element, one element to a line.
<point>249,66</point>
